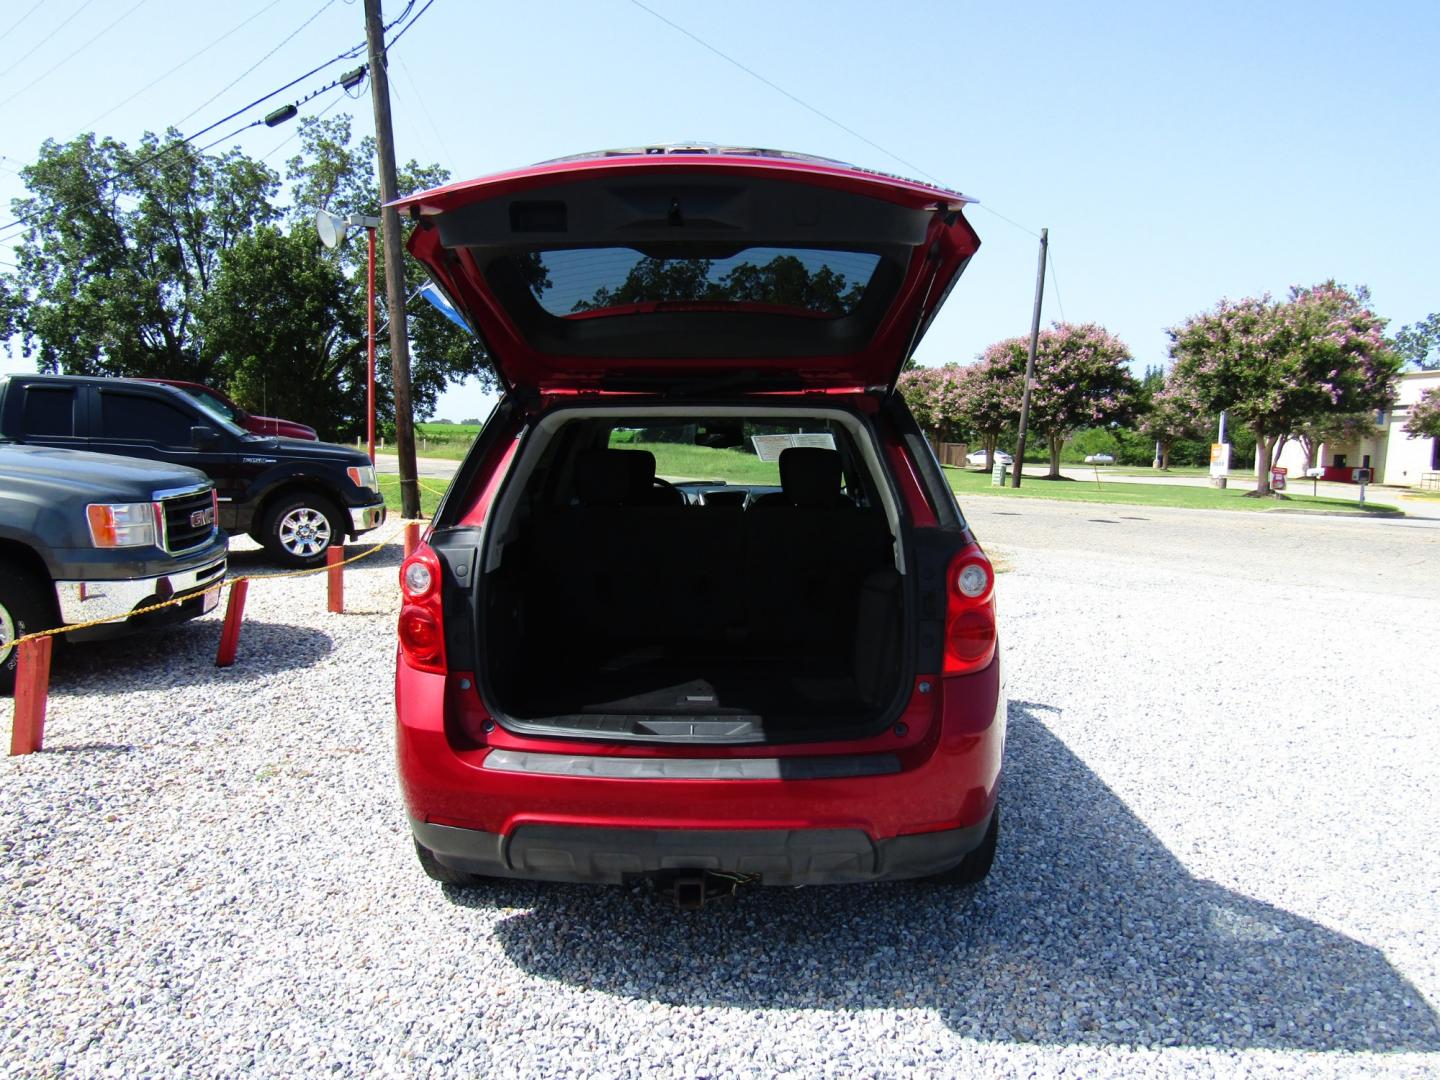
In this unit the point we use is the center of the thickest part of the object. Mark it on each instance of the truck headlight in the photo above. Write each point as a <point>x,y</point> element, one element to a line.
<point>115,525</point>
<point>363,476</point>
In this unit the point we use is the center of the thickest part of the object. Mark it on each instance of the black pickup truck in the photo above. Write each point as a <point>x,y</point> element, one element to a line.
<point>93,536</point>
<point>294,496</point>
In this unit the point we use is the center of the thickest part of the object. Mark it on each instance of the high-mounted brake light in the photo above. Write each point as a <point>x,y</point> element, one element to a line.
<point>969,612</point>
<point>421,629</point>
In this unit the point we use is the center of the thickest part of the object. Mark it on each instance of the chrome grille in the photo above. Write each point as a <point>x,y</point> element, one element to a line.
<point>189,518</point>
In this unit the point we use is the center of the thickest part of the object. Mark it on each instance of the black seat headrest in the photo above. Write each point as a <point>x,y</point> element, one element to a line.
<point>602,477</point>
<point>810,476</point>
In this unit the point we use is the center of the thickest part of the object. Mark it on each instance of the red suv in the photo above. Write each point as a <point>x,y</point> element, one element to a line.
<point>778,663</point>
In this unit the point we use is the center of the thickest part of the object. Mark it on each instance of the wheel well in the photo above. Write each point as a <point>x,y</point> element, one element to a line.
<point>289,490</point>
<point>27,560</point>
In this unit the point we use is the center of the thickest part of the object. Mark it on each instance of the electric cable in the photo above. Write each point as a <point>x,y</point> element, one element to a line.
<point>73,53</point>
<point>284,41</point>
<point>16,24</point>
<point>819,112</point>
<point>425,111</point>
<point>90,124</point>
<point>1055,281</point>
<point>46,39</point>
<point>409,24</point>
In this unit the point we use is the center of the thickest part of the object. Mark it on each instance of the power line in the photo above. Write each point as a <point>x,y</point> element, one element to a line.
<point>46,39</point>
<point>16,24</point>
<point>172,147</point>
<point>818,112</point>
<point>90,124</point>
<point>1055,284</point>
<point>781,90</point>
<point>393,41</point>
<point>74,53</point>
<point>284,41</point>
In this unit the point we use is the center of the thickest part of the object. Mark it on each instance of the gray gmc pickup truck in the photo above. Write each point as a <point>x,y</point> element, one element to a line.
<point>89,536</point>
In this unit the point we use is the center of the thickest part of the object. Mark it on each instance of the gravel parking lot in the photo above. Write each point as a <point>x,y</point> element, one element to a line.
<point>1219,851</point>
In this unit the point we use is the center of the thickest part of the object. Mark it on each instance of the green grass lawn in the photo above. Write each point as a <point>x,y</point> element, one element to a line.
<point>968,482</point>
<point>430,491</point>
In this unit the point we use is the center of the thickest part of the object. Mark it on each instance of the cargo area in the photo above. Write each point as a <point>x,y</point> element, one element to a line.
<point>697,610</point>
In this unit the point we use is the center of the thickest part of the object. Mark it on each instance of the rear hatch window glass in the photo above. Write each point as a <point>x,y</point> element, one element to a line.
<point>585,282</point>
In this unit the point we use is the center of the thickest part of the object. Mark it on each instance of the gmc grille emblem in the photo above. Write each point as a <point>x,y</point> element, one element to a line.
<point>200,518</point>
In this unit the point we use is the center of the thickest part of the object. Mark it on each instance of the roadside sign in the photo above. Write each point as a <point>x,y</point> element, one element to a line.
<point>1220,459</point>
<point>1277,478</point>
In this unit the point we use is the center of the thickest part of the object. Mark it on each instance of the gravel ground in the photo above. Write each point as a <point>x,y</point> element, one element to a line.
<point>1219,853</point>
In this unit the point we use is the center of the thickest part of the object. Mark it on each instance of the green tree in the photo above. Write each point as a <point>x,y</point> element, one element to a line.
<point>333,175</point>
<point>119,247</point>
<point>1419,343</point>
<point>306,357</point>
<point>1274,365</point>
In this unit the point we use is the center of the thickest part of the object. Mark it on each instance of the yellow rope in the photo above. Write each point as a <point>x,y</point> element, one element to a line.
<point>176,600</point>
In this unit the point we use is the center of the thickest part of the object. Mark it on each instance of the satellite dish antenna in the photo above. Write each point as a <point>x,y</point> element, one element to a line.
<point>331,228</point>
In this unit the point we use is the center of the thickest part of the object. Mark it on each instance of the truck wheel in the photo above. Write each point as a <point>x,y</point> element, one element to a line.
<point>298,529</point>
<point>22,611</point>
<point>975,866</point>
<point>435,870</point>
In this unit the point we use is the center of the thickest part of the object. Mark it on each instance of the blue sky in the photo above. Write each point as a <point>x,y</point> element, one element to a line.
<point>1177,153</point>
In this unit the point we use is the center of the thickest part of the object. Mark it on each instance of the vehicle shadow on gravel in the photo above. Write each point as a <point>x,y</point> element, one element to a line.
<point>1088,931</point>
<point>185,655</point>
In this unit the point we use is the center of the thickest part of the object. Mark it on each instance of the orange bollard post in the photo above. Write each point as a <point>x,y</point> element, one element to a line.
<point>412,537</point>
<point>32,691</point>
<point>334,556</point>
<point>230,632</point>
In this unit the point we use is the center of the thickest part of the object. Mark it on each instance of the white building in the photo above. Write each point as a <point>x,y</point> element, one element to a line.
<point>1392,455</point>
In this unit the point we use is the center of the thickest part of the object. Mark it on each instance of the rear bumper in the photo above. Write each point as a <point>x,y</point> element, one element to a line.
<point>607,856</point>
<point>640,809</point>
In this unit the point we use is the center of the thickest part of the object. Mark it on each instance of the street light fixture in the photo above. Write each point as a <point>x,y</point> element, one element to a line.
<point>332,229</point>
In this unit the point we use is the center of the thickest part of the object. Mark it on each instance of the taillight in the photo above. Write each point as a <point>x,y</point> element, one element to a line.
<point>969,612</point>
<point>422,621</point>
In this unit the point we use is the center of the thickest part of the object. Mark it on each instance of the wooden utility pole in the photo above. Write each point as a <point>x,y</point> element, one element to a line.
<point>394,264</point>
<point>1030,361</point>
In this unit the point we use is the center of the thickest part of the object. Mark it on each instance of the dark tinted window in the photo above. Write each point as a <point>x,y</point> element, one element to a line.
<point>144,419</point>
<point>50,411</point>
<point>801,281</point>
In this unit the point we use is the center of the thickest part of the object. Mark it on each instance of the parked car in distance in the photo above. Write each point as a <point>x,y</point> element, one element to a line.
<point>93,536</point>
<point>295,497</point>
<point>260,425</point>
<point>978,460</point>
<point>786,672</point>
<point>1099,459</point>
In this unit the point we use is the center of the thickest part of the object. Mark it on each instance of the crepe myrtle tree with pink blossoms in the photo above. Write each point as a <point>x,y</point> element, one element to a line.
<point>1273,365</point>
<point>1081,380</point>
<point>931,393</point>
<point>1425,415</point>
<point>1172,414</point>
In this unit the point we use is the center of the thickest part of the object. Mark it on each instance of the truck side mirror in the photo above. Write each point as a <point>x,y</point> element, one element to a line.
<point>204,437</point>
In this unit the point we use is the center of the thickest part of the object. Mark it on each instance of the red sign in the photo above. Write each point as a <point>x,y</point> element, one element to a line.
<point>1277,478</point>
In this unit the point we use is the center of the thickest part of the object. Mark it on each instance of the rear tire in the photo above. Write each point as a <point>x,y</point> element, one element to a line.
<point>974,867</point>
<point>299,529</point>
<point>23,610</point>
<point>435,870</point>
